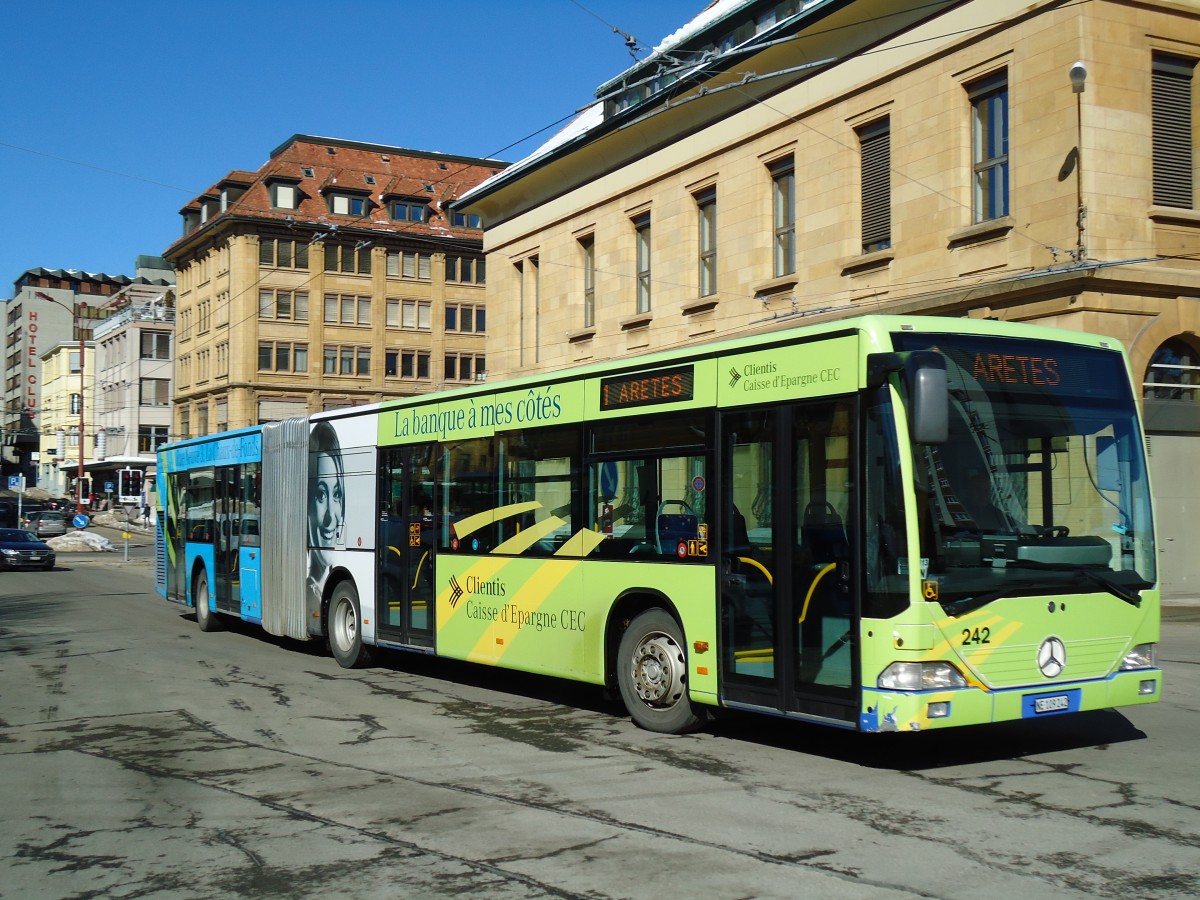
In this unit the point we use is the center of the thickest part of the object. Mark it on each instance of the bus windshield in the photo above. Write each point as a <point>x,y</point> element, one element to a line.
<point>1041,485</point>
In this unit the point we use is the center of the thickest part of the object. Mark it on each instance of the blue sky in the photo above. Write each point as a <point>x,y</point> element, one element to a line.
<point>114,115</point>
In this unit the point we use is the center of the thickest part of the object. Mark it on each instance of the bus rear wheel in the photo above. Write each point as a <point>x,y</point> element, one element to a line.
<point>345,628</point>
<point>652,674</point>
<point>205,617</point>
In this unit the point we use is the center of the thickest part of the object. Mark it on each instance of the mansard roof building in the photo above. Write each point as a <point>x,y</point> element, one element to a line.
<point>333,275</point>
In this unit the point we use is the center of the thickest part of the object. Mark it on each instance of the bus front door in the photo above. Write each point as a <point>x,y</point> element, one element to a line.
<point>405,565</point>
<point>786,598</point>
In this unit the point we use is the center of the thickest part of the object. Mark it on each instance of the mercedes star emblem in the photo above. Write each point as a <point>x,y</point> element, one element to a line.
<point>1052,657</point>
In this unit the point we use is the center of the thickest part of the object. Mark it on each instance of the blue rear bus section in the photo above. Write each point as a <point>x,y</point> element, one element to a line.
<point>188,532</point>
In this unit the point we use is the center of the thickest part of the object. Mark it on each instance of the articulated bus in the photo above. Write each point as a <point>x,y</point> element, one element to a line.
<point>880,524</point>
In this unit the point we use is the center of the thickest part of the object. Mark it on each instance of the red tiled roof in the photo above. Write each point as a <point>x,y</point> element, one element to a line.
<point>433,177</point>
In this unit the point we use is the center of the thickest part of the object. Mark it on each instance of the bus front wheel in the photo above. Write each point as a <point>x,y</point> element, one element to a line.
<point>344,631</point>
<point>205,617</point>
<point>652,674</point>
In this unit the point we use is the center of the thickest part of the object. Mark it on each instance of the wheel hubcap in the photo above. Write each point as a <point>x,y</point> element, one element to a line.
<point>659,670</point>
<point>347,625</point>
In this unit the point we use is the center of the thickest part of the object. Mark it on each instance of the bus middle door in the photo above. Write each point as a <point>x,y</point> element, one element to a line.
<point>406,557</point>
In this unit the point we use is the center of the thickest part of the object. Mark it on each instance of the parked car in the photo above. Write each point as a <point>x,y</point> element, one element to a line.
<point>48,524</point>
<point>21,549</point>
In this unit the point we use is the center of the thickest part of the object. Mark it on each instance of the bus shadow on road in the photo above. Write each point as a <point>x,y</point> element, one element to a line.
<point>928,750</point>
<point>968,745</point>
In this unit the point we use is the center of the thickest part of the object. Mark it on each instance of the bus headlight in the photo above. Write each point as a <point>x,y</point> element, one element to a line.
<point>921,676</point>
<point>1140,657</point>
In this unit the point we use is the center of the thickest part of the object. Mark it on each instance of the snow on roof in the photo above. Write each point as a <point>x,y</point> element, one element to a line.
<point>711,13</point>
<point>585,120</point>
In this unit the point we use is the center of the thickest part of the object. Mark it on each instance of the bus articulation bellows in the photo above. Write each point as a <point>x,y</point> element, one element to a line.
<point>880,524</point>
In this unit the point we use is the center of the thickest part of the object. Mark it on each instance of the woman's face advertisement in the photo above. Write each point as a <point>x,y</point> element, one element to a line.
<point>328,502</point>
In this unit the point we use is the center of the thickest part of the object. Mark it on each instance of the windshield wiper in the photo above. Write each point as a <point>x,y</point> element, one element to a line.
<point>969,604</point>
<point>1117,590</point>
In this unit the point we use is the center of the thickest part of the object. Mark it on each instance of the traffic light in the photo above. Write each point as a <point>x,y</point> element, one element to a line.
<point>85,490</point>
<point>129,485</point>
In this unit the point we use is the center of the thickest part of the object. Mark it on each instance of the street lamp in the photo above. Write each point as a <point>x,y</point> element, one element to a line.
<point>74,311</point>
<point>1078,75</point>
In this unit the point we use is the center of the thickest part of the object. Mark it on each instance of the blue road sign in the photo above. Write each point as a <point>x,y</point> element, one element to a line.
<point>80,520</point>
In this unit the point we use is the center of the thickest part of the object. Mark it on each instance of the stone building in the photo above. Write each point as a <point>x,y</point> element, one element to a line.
<point>334,275</point>
<point>777,161</point>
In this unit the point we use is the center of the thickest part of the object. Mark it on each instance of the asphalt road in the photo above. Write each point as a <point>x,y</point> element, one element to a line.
<point>142,758</point>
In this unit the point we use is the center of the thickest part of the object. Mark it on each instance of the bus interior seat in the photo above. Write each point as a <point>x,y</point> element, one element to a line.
<point>823,534</point>
<point>671,528</point>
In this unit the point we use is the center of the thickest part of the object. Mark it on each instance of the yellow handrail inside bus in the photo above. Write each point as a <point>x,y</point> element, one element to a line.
<point>757,565</point>
<point>812,587</point>
<point>417,574</point>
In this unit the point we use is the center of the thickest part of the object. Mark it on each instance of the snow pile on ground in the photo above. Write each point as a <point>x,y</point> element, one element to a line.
<point>80,541</point>
<point>111,518</point>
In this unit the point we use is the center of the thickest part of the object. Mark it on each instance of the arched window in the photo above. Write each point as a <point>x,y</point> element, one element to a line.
<point>1173,373</point>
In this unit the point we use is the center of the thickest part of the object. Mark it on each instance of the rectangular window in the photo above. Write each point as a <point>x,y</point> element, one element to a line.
<point>415,314</point>
<point>155,392</point>
<point>465,269</point>
<point>989,146</point>
<point>464,318</point>
<point>391,363</point>
<point>347,309</point>
<point>347,205</point>
<point>416,266</point>
<point>151,437</point>
<point>875,145</point>
<point>706,210</point>
<point>588,247</point>
<point>407,211</point>
<point>541,468</point>
<point>282,254</point>
<point>286,306</point>
<point>340,360</point>
<point>463,366</point>
<point>641,226</point>
<point>1171,108</point>
<point>156,345</point>
<point>283,196</point>
<point>463,220</point>
<point>414,364</point>
<point>347,258</point>
<point>783,212</point>
<point>282,356</point>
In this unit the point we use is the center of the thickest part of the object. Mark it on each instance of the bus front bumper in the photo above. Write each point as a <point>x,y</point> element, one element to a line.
<point>922,710</point>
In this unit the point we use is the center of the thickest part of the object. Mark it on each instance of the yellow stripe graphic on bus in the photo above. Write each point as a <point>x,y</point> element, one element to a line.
<point>468,524</point>
<point>520,612</point>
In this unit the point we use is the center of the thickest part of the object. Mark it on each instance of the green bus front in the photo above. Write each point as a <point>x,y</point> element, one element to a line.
<point>1029,536</point>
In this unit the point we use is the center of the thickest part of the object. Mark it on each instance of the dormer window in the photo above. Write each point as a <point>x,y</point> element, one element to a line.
<point>463,220</point>
<point>284,193</point>
<point>405,210</point>
<point>230,194</point>
<point>343,204</point>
